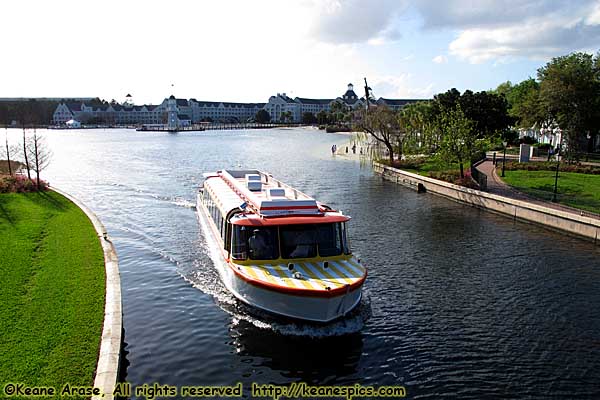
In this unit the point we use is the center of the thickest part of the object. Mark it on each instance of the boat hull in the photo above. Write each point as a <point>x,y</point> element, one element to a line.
<point>302,306</point>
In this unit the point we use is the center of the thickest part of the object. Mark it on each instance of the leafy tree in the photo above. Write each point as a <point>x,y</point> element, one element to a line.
<point>418,120</point>
<point>523,102</point>
<point>262,116</point>
<point>322,117</point>
<point>308,118</point>
<point>337,111</point>
<point>488,111</point>
<point>570,94</point>
<point>458,141</point>
<point>286,116</point>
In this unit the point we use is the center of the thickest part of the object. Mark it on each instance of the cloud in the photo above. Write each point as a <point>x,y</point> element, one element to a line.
<point>461,14</point>
<point>509,29</point>
<point>440,59</point>
<point>397,87</point>
<point>356,21</point>
<point>537,38</point>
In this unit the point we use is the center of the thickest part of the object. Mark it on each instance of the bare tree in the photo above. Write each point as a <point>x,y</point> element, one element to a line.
<point>8,151</point>
<point>39,153</point>
<point>25,156</point>
<point>383,125</point>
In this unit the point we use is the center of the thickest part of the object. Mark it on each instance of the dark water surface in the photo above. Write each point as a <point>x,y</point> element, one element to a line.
<point>459,303</point>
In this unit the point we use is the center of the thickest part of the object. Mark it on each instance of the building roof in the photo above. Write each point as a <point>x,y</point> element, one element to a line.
<point>183,102</point>
<point>397,102</point>
<point>313,101</point>
<point>286,98</point>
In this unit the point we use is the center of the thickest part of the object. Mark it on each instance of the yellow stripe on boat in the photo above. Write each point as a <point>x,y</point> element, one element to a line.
<point>265,275</point>
<point>325,276</point>
<point>340,273</point>
<point>314,279</point>
<point>345,270</point>
<point>249,270</point>
<point>281,274</point>
<point>356,265</point>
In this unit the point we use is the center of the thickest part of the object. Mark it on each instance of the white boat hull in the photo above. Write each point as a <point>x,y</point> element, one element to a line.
<point>303,307</point>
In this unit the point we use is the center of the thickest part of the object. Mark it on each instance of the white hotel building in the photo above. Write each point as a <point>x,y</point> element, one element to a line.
<point>194,111</point>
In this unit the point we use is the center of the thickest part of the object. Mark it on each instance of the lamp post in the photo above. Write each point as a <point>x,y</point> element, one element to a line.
<point>505,143</point>
<point>556,176</point>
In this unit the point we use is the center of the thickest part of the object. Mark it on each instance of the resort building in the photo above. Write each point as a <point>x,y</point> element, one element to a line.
<point>109,114</point>
<point>183,112</point>
<point>295,108</point>
<point>187,112</point>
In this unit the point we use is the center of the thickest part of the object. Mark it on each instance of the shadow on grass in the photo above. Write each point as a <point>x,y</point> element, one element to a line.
<point>47,198</point>
<point>6,215</point>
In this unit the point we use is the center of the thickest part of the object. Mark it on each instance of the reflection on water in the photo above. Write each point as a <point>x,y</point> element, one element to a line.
<point>296,357</point>
<point>459,303</point>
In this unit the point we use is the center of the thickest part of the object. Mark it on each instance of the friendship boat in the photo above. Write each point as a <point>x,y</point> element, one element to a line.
<point>280,250</point>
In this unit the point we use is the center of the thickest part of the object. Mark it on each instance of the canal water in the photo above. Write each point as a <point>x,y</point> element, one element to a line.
<point>459,303</point>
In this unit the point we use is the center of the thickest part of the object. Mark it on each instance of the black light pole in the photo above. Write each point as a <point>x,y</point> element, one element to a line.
<point>504,158</point>
<point>556,176</point>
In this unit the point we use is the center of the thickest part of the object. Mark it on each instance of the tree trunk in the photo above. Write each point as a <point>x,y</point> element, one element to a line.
<point>8,155</point>
<point>391,151</point>
<point>462,173</point>
<point>25,154</point>
<point>37,160</point>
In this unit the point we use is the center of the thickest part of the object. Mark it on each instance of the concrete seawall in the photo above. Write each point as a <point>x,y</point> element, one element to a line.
<point>582,226</point>
<point>107,367</point>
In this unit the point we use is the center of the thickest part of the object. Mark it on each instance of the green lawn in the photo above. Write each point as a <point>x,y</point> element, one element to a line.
<point>52,291</point>
<point>576,190</point>
<point>432,166</point>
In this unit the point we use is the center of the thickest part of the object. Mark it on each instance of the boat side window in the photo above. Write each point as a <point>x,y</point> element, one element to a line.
<point>298,241</point>
<point>263,243</point>
<point>329,239</point>
<point>238,242</point>
<point>345,240</point>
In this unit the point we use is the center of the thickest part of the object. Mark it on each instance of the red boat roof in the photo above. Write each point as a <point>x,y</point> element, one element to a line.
<point>256,220</point>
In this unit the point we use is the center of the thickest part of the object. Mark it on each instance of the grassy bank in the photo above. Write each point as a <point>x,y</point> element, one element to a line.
<point>52,292</point>
<point>576,190</point>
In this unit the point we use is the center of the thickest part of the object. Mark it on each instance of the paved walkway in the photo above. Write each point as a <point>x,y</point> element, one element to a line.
<point>515,157</point>
<point>495,185</point>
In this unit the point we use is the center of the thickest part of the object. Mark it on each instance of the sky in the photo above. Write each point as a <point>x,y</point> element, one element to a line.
<point>246,51</point>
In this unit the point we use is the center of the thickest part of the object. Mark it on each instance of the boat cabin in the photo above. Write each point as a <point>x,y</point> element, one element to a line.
<point>260,218</point>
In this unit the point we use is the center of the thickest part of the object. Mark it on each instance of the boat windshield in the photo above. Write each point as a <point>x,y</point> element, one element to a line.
<point>293,241</point>
<point>255,243</point>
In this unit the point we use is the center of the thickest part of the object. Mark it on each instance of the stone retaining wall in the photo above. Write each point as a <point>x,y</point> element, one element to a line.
<point>556,219</point>
<point>107,368</point>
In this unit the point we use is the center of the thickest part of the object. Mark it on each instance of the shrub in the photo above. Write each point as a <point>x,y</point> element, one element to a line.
<point>410,163</point>
<point>20,184</point>
<point>528,140</point>
<point>453,176</point>
<point>550,166</point>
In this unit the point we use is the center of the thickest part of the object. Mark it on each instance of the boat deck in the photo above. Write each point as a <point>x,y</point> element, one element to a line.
<point>307,275</point>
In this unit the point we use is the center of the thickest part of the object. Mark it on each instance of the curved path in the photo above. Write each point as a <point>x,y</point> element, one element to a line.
<point>496,185</point>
